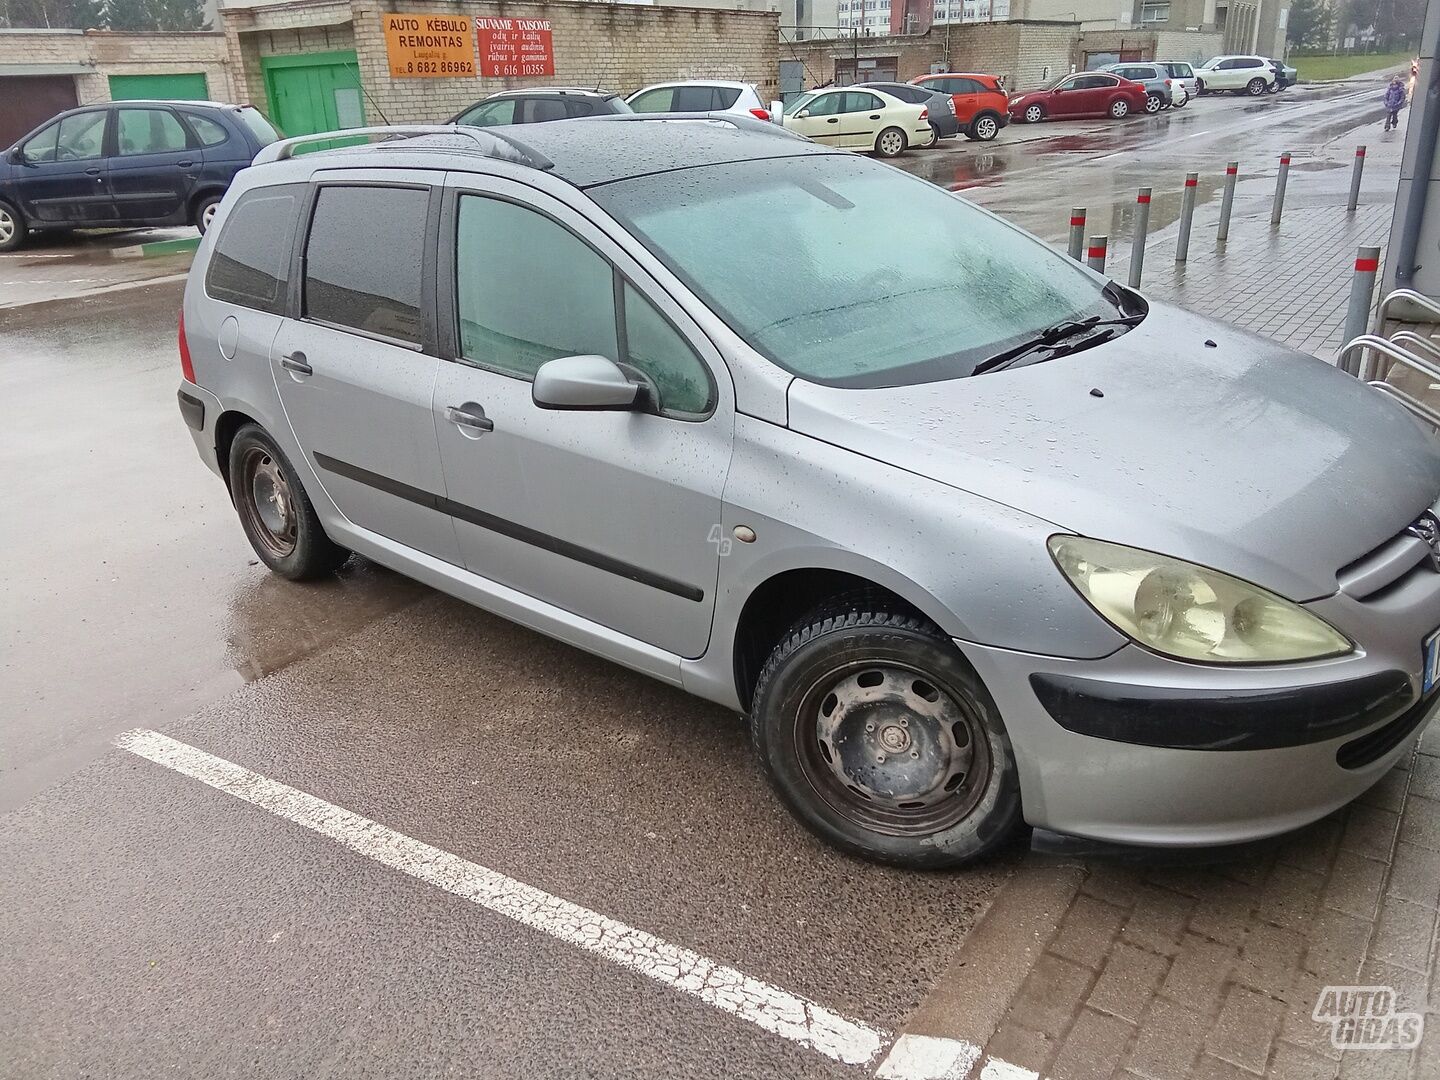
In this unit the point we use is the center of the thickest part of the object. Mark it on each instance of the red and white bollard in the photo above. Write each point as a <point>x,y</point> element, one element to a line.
<point>1280,188</point>
<point>1227,200</point>
<point>1142,226</point>
<point>1187,212</point>
<point>1095,256</point>
<point>1362,293</point>
<point>1355,178</point>
<point>1077,232</point>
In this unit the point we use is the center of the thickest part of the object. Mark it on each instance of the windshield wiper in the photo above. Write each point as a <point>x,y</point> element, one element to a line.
<point>1051,337</point>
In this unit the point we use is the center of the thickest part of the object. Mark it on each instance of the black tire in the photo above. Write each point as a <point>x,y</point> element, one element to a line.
<point>1255,87</point>
<point>286,533</point>
<point>1033,113</point>
<point>1119,109</point>
<point>13,229</point>
<point>984,127</point>
<point>1200,88</point>
<point>932,142</point>
<point>205,209</point>
<point>891,143</point>
<point>1154,103</point>
<point>957,804</point>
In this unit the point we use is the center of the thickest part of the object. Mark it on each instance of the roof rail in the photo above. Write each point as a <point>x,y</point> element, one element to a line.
<point>491,143</point>
<point>735,120</point>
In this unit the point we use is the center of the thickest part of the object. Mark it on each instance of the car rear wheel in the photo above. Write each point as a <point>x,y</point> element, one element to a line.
<point>276,514</point>
<point>1199,87</point>
<point>984,128</point>
<point>12,228</point>
<point>205,212</point>
<point>890,143</point>
<point>1034,114</point>
<point>1255,87</point>
<point>881,739</point>
<point>934,139</point>
<point>1153,103</point>
<point>1119,108</point>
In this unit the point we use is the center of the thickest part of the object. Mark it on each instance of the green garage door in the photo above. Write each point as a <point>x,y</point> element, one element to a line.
<point>313,92</point>
<point>185,87</point>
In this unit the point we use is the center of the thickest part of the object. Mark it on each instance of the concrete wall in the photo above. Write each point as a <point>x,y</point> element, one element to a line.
<point>1194,47</point>
<point>111,53</point>
<point>619,47</point>
<point>914,54</point>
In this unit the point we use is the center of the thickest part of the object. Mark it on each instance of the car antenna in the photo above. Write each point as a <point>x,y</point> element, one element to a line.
<point>361,83</point>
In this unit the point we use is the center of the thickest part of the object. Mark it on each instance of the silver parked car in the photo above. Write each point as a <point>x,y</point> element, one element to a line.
<point>974,536</point>
<point>1160,89</point>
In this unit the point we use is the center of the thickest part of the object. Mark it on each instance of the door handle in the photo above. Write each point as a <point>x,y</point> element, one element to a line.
<point>183,164</point>
<point>833,120</point>
<point>874,116</point>
<point>92,171</point>
<point>469,415</point>
<point>295,362</point>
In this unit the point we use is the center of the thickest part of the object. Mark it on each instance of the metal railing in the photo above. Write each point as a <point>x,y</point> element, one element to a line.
<point>1362,356</point>
<point>1406,296</point>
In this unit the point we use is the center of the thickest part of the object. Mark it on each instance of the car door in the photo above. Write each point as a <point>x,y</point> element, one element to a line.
<point>821,121</point>
<point>612,516</point>
<point>1228,75</point>
<point>1068,99</point>
<point>862,118</point>
<point>154,165</point>
<point>356,369</point>
<point>64,178</point>
<point>967,98</point>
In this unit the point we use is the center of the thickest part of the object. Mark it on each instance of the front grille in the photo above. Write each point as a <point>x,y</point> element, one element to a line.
<point>1388,565</point>
<point>1357,753</point>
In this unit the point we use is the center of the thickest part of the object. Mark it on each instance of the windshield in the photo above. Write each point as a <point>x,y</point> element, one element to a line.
<point>800,102</point>
<point>871,277</point>
<point>1209,65</point>
<point>265,132</point>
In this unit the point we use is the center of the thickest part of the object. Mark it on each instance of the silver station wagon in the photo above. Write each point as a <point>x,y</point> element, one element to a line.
<point>973,536</point>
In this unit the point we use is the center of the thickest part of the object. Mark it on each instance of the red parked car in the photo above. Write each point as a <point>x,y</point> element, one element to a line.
<point>979,100</point>
<point>1084,94</point>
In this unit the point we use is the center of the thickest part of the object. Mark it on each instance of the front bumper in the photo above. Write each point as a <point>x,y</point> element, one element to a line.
<point>1148,750</point>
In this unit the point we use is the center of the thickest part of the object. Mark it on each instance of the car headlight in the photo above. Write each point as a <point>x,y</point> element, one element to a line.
<point>1189,612</point>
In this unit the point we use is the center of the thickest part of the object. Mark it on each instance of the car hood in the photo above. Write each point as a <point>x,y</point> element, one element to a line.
<point>1247,456</point>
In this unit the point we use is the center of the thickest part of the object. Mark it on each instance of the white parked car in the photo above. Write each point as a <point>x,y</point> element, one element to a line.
<point>860,119</point>
<point>1251,75</point>
<point>1183,74</point>
<point>699,96</point>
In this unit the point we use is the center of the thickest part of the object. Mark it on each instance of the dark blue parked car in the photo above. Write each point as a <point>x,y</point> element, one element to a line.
<point>126,164</point>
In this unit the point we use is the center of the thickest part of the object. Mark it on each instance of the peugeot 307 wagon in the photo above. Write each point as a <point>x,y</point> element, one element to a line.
<point>974,536</point>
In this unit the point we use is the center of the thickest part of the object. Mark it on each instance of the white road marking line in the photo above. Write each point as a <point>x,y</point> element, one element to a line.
<point>775,1010</point>
<point>1198,134</point>
<point>926,1057</point>
<point>995,1069</point>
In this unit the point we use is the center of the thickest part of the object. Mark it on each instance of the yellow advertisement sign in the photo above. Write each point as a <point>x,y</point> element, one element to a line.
<point>429,46</point>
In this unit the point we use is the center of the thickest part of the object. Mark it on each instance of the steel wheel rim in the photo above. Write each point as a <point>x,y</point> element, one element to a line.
<point>7,226</point>
<point>268,503</point>
<point>891,749</point>
<point>985,128</point>
<point>1033,114</point>
<point>891,144</point>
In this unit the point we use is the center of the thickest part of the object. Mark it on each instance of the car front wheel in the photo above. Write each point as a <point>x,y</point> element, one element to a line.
<point>12,228</point>
<point>890,143</point>
<point>881,739</point>
<point>276,514</point>
<point>1120,108</point>
<point>1034,114</point>
<point>1255,87</point>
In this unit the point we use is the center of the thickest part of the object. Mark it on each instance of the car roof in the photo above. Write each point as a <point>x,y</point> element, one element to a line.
<point>165,101</point>
<point>590,151</point>
<point>554,91</point>
<point>697,82</point>
<point>955,74</point>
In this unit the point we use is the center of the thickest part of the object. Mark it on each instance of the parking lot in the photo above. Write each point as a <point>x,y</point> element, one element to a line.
<point>381,831</point>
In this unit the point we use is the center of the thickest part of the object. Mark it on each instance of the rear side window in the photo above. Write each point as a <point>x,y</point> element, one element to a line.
<point>539,110</point>
<point>149,131</point>
<point>206,130</point>
<point>251,263</point>
<point>363,260</point>
<point>702,98</point>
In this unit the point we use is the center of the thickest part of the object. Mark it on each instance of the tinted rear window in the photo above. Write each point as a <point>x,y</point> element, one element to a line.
<point>363,258</point>
<point>251,264</point>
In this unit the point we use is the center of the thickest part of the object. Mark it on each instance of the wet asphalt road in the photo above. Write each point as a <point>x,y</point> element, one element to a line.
<point>154,926</point>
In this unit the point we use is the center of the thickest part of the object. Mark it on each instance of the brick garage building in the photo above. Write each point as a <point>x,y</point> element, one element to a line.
<point>1023,52</point>
<point>320,64</point>
<point>43,72</point>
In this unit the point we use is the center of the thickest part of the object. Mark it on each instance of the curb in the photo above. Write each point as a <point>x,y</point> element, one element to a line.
<point>155,249</point>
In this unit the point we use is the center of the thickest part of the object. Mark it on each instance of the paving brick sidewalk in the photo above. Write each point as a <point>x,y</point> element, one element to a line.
<point>1086,969</point>
<point>1291,283</point>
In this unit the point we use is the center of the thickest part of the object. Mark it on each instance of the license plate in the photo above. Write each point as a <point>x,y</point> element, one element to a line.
<point>1431,676</point>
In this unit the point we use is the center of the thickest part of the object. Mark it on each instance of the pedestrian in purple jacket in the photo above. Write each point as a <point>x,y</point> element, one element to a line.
<point>1394,101</point>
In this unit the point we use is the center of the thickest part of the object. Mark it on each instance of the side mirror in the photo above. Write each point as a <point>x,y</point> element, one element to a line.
<point>802,114</point>
<point>16,156</point>
<point>586,382</point>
